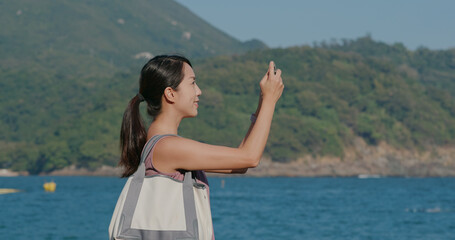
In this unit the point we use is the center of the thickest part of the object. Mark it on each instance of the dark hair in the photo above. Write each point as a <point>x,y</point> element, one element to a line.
<point>157,74</point>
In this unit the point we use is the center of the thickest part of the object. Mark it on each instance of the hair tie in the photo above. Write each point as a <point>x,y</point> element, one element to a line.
<point>141,98</point>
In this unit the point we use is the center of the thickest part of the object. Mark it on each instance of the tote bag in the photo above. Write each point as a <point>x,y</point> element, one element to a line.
<point>160,207</point>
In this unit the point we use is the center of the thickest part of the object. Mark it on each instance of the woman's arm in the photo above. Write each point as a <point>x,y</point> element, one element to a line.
<point>193,155</point>
<point>242,170</point>
<point>172,153</point>
<point>258,109</point>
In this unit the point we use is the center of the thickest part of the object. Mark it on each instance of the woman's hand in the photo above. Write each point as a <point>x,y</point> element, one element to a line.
<point>271,84</point>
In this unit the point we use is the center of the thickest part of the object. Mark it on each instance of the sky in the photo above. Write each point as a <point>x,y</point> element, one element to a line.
<point>284,23</point>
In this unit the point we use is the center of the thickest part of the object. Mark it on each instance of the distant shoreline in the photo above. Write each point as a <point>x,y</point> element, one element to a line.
<point>268,168</point>
<point>360,160</point>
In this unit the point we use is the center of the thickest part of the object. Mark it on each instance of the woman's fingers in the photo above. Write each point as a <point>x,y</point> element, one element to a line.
<point>278,73</point>
<point>273,72</point>
<point>271,68</point>
<point>267,74</point>
<point>272,83</point>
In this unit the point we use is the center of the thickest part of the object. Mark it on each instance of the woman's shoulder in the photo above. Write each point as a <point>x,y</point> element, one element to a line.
<point>151,136</point>
<point>164,146</point>
<point>172,142</point>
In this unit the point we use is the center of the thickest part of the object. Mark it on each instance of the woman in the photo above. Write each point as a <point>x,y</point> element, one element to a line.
<point>168,86</point>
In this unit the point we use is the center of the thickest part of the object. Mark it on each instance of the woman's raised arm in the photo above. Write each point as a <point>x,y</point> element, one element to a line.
<point>174,153</point>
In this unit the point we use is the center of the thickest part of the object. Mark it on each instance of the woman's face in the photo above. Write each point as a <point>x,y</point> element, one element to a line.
<point>188,93</point>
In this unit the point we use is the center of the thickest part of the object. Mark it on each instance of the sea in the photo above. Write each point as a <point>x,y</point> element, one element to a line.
<point>247,208</point>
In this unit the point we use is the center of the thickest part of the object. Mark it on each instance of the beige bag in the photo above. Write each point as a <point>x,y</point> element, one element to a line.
<point>160,207</point>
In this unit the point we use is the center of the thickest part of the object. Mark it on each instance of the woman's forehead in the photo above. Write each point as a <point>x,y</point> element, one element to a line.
<point>188,71</point>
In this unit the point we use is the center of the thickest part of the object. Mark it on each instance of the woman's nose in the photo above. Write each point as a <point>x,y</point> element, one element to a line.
<point>198,91</point>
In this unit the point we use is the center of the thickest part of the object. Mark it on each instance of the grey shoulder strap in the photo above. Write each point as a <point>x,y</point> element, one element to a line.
<point>150,144</point>
<point>140,172</point>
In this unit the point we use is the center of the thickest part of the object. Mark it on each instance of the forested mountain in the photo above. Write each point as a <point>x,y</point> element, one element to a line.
<point>68,69</point>
<point>80,37</point>
<point>335,93</point>
<point>331,96</point>
<point>58,60</point>
<point>431,68</point>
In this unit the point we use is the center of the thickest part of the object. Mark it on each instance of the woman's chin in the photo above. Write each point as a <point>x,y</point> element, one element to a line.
<point>191,115</point>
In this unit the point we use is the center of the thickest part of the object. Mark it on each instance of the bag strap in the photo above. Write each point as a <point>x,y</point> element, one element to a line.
<point>140,172</point>
<point>189,175</point>
<point>150,144</point>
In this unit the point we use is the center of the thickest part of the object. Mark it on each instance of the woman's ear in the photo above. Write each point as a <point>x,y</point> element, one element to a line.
<point>169,94</point>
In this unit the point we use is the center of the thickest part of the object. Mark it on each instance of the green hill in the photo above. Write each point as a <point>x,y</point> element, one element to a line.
<point>433,68</point>
<point>58,60</point>
<point>331,97</point>
<point>68,69</point>
<point>94,36</point>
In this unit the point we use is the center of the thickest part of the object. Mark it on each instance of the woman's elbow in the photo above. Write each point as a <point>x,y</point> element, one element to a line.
<point>250,160</point>
<point>253,161</point>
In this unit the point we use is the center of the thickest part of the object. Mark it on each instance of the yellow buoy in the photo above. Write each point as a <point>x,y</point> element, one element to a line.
<point>8,190</point>
<point>50,186</point>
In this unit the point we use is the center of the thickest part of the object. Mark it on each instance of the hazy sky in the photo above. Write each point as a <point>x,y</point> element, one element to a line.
<point>283,23</point>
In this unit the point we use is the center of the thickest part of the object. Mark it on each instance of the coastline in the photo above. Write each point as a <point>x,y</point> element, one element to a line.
<point>267,168</point>
<point>8,173</point>
<point>360,160</point>
<point>301,168</point>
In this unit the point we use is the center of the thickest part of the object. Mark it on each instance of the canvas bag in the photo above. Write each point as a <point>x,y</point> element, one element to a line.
<point>160,207</point>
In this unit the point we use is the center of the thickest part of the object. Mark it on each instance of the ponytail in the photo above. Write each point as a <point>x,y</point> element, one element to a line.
<point>132,137</point>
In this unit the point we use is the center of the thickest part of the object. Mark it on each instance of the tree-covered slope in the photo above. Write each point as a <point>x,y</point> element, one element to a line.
<point>117,32</point>
<point>58,60</point>
<point>331,96</point>
<point>433,68</point>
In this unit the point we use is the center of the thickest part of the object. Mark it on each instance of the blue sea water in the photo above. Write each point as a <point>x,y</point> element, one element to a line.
<point>246,208</point>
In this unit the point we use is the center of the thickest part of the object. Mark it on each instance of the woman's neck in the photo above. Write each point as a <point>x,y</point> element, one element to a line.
<point>164,123</point>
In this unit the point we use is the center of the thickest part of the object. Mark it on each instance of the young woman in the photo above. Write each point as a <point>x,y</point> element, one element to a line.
<point>168,86</point>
